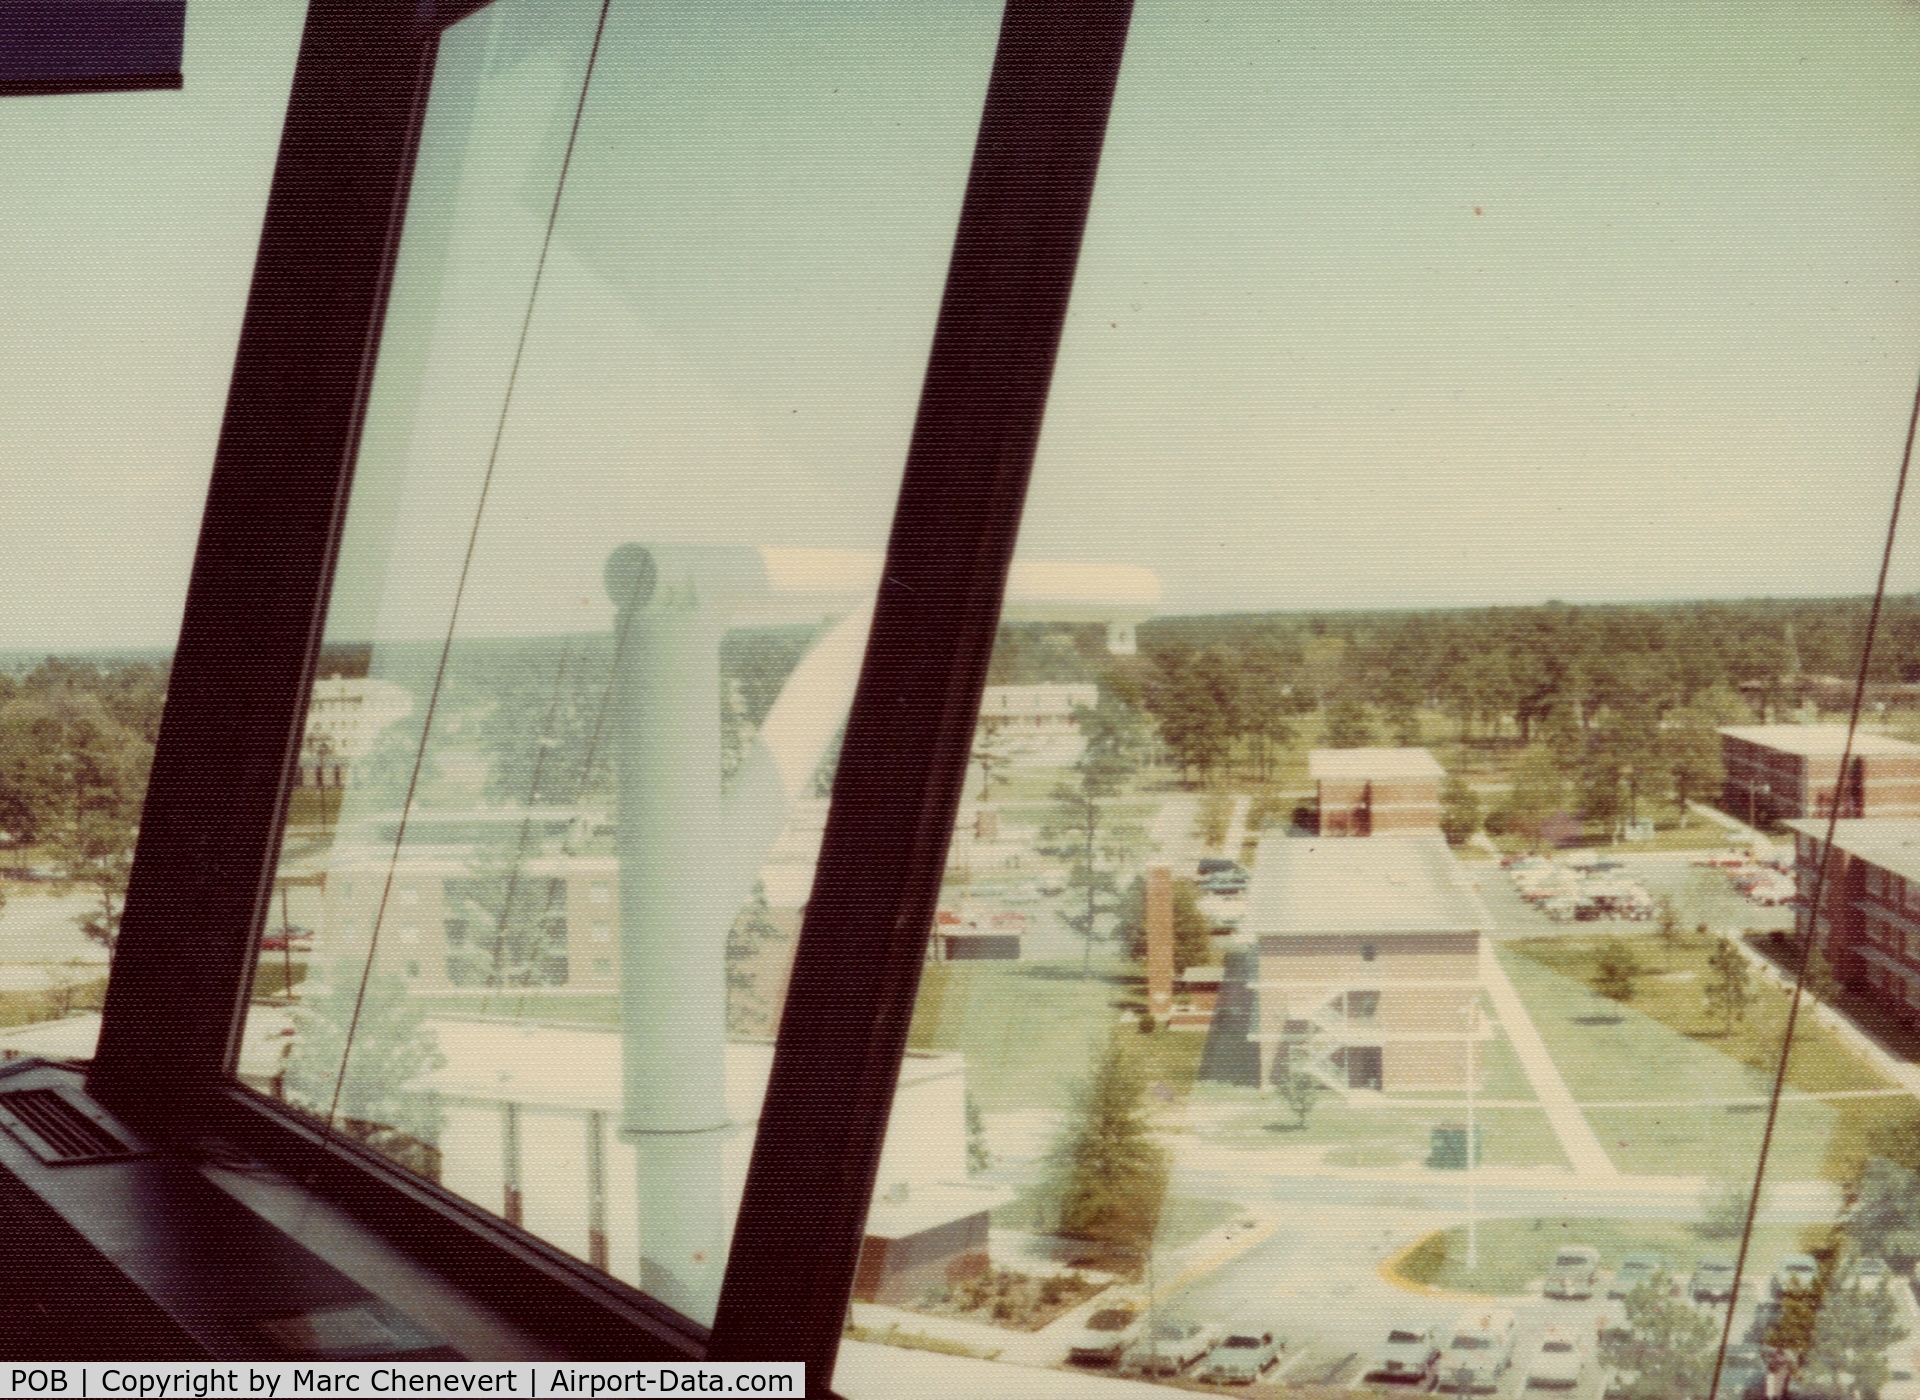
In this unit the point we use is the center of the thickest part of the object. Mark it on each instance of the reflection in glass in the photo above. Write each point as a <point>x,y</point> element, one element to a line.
<point>602,599</point>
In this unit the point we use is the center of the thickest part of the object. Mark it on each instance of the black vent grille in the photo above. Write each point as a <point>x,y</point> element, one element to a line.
<point>59,1131</point>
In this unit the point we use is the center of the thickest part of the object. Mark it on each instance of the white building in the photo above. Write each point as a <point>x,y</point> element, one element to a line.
<point>1033,726</point>
<point>344,718</point>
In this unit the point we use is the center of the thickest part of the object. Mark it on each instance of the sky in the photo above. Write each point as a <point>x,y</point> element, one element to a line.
<point>1381,304</point>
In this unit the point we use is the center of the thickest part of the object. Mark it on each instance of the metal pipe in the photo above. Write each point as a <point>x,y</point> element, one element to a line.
<point>679,870</point>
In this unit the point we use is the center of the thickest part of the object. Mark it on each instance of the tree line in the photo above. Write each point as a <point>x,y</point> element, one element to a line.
<point>76,742</point>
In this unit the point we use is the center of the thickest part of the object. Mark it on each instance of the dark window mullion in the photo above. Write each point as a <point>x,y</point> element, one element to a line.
<point>256,603</point>
<point>857,966</point>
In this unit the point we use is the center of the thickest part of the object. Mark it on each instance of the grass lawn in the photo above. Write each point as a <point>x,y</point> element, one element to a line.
<point>1029,1029</point>
<point>1372,1132</point>
<point>30,1008</point>
<point>1501,1075</point>
<point>1514,1253</point>
<point>1183,1219</point>
<point>1698,834</point>
<point>1663,1050</point>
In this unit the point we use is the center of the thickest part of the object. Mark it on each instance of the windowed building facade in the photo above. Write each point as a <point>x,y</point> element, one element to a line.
<point>1868,920</point>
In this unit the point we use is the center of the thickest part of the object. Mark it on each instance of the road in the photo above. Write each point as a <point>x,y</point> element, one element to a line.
<point>38,928</point>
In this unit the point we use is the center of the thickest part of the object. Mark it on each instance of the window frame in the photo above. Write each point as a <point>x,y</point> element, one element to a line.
<point>228,750</point>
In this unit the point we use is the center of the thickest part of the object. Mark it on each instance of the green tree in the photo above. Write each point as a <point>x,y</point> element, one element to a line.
<point>1666,1350</point>
<point>1107,1173</point>
<point>1348,725</point>
<point>1081,822</point>
<point>1269,700</point>
<point>1539,792</point>
<point>73,778</point>
<point>1727,989</point>
<point>749,1013</point>
<point>1192,930</point>
<point>994,750</point>
<point>1297,1089</point>
<point>1852,1329</point>
<point>360,1061</point>
<point>1691,742</point>
<point>1884,1219</point>
<point>505,926</point>
<point>1822,984</point>
<point>1459,810</point>
<point>1615,969</point>
<point>544,728</point>
<point>1198,708</point>
<point>1724,1209</point>
<point>95,853</point>
<point>979,1156</point>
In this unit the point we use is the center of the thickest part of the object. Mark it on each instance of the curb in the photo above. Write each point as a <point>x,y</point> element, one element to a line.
<point>1389,1269</point>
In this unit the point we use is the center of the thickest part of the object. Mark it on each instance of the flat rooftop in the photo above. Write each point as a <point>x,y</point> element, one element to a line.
<point>1383,884</point>
<point>1337,764</point>
<point>1892,843</point>
<point>1818,740</point>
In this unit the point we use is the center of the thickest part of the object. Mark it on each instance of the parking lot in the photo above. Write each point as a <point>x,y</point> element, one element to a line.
<point>1700,895</point>
<point>1338,1346</point>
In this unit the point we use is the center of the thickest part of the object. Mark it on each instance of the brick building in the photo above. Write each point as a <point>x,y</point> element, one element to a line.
<point>1369,792</point>
<point>1368,971</point>
<point>1868,922</point>
<point>1782,772</point>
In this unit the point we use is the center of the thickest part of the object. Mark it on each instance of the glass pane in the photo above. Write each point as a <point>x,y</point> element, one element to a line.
<point>127,236</point>
<point>1462,374</point>
<point>617,516</point>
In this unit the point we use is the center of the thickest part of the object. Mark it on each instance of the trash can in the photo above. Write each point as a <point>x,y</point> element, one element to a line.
<point>1450,1147</point>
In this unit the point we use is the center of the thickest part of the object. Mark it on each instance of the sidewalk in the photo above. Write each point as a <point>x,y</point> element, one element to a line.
<point>1577,1138</point>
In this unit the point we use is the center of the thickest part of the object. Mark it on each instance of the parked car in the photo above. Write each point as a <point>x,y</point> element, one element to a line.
<point>1104,1337</point>
<point>1410,1356</point>
<point>291,938</point>
<point>1868,1275</point>
<point>1243,1356</point>
<point>1480,1351</point>
<point>1557,1361</point>
<point>1169,1345</point>
<point>1635,1270</point>
<point>1797,1273</point>
<point>1225,882</point>
<point>1574,1273</point>
<point>1712,1281</point>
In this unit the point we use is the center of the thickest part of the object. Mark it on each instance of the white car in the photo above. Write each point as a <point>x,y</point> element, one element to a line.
<point>1574,1273</point>
<point>1557,1362</point>
<point>1868,1275</point>
<point>1480,1351</point>
<point>1409,1356</point>
<point>1169,1345</point>
<point>1242,1356</point>
<point>1104,1337</point>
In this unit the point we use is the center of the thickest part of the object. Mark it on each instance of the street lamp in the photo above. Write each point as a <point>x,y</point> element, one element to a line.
<point>1473,1133</point>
